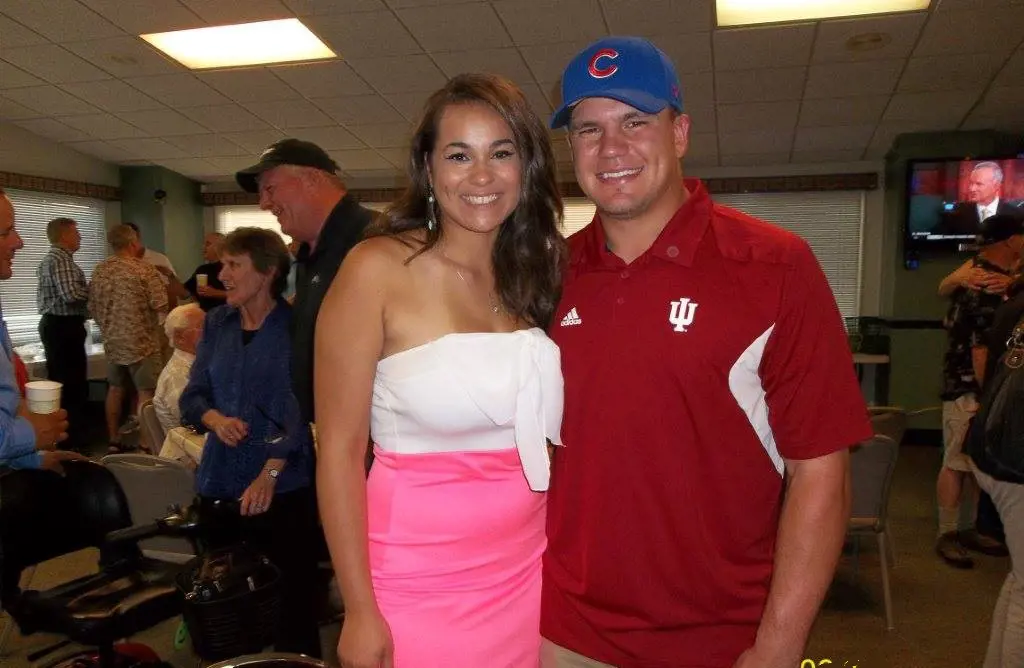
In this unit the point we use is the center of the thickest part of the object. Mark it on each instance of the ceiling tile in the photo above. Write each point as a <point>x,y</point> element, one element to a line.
<point>364,35</point>
<point>149,148</point>
<point>702,145</point>
<point>306,7</point>
<point>538,101</point>
<point>506,62</point>
<point>944,110</point>
<point>53,129</point>
<point>101,150</point>
<point>1013,71</point>
<point>476,24</point>
<point>287,114</point>
<point>847,79</point>
<point>330,138</point>
<point>254,141</point>
<point>811,157</point>
<point>757,116</point>
<point>384,135</point>
<point>162,122</point>
<point>190,167</point>
<point>314,80</point>
<point>755,159</point>
<point>996,30</point>
<point>404,74</point>
<point>228,165</point>
<point>224,118</point>
<point>179,90</point>
<point>13,77</point>
<point>103,126</point>
<point>10,111</point>
<point>360,159</point>
<point>125,57</point>
<point>900,31</point>
<point>833,138</point>
<point>207,146</point>
<point>691,53</point>
<point>147,16</point>
<point>53,63</point>
<point>398,157</point>
<point>760,85</point>
<point>842,110</point>
<point>703,117</point>
<point>112,95</point>
<point>49,100</point>
<point>60,21</point>
<point>252,85</point>
<point>1010,123</point>
<point>409,105</point>
<point>749,48</point>
<point>754,142</point>
<point>220,12</point>
<point>563,20</point>
<point>360,109</point>
<point>1002,101</point>
<point>651,17</point>
<point>961,72</point>
<point>547,61</point>
<point>14,34</point>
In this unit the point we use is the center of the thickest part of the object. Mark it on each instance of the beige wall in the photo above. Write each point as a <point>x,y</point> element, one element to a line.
<point>25,153</point>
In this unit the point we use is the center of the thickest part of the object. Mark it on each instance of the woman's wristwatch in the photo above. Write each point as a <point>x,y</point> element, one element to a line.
<point>273,473</point>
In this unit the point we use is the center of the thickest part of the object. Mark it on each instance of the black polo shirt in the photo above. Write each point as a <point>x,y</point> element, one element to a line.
<point>212,271</point>
<point>313,275</point>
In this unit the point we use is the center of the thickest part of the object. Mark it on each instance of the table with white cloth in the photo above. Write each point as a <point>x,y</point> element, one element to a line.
<point>184,445</point>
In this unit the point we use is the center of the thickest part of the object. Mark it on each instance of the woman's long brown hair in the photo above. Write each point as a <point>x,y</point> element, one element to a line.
<point>530,251</point>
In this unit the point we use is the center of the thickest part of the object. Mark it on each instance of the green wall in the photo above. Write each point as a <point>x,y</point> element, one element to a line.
<point>175,225</point>
<point>916,370</point>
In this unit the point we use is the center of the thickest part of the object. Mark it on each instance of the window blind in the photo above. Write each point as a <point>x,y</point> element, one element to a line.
<point>229,218</point>
<point>32,212</point>
<point>830,222</point>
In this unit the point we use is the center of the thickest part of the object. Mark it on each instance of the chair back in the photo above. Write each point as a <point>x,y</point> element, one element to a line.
<point>889,421</point>
<point>152,431</point>
<point>872,464</point>
<point>152,484</point>
<point>44,515</point>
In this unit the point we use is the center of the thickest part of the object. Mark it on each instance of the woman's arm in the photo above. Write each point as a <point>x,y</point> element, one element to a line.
<point>957,279</point>
<point>343,386</point>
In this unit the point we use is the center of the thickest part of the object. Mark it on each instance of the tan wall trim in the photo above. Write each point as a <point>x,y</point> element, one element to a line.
<point>58,186</point>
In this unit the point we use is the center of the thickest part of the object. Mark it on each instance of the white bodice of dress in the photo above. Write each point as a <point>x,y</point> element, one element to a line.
<point>472,392</point>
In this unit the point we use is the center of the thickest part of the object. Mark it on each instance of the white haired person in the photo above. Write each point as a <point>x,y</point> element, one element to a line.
<point>183,326</point>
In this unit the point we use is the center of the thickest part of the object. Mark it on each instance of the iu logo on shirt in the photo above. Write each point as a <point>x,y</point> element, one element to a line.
<point>680,314</point>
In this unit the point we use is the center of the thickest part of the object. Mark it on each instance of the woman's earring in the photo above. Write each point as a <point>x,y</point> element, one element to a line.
<point>431,216</point>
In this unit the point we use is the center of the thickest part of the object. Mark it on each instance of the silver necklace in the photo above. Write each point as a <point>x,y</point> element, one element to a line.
<point>495,304</point>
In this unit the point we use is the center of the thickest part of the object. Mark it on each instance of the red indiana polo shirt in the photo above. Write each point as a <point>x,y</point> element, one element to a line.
<point>689,375</point>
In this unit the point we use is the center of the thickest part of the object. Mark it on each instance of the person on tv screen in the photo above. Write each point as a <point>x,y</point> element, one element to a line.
<point>984,192</point>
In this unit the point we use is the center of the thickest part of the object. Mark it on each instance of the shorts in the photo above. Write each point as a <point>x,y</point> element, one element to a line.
<point>142,374</point>
<point>956,418</point>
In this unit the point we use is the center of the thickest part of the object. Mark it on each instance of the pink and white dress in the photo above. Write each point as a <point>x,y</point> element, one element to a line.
<point>456,502</point>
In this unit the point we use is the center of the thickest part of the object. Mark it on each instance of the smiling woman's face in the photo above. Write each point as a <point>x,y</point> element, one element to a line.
<point>242,282</point>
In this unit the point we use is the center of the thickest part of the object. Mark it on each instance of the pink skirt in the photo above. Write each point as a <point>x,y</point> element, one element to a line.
<point>455,552</point>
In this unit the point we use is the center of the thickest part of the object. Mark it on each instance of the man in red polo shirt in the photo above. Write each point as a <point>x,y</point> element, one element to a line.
<point>699,505</point>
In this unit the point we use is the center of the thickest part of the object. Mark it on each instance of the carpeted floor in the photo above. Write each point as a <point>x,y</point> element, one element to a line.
<point>942,615</point>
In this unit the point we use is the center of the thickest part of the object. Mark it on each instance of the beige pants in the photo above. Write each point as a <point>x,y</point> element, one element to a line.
<point>553,656</point>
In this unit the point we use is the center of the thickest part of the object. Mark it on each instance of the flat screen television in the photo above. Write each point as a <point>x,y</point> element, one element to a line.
<point>944,198</point>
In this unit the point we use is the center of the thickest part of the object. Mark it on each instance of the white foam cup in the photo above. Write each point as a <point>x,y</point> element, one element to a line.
<point>43,396</point>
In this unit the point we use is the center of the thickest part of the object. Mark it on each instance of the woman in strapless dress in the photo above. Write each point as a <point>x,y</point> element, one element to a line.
<point>431,344</point>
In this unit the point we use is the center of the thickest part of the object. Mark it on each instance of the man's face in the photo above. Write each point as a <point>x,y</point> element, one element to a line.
<point>626,160</point>
<point>983,187</point>
<point>10,240</point>
<point>211,247</point>
<point>71,238</point>
<point>188,338</point>
<point>285,192</point>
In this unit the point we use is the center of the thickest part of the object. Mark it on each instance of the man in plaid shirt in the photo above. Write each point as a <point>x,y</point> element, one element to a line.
<point>62,298</point>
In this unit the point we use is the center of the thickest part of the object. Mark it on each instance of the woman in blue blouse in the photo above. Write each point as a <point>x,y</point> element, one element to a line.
<point>258,452</point>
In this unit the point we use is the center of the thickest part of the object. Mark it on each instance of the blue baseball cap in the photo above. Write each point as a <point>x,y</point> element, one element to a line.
<point>628,69</point>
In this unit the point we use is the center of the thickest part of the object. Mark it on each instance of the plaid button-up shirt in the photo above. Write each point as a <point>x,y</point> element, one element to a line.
<point>62,288</point>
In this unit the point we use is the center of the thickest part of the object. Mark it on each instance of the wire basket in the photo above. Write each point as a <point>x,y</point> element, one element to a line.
<point>231,603</point>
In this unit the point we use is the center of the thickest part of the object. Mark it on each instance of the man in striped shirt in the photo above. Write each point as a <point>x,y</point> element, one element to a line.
<point>61,297</point>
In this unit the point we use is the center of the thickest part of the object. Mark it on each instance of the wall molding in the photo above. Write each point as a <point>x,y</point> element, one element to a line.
<point>756,184</point>
<point>59,186</point>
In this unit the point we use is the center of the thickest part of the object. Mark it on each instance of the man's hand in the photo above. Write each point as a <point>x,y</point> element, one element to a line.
<point>54,460</point>
<point>50,429</point>
<point>756,658</point>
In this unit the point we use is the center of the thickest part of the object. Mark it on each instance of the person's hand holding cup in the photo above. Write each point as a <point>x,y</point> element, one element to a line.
<point>48,420</point>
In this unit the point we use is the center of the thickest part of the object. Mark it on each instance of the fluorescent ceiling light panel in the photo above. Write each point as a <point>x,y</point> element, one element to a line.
<point>260,43</point>
<point>750,12</point>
